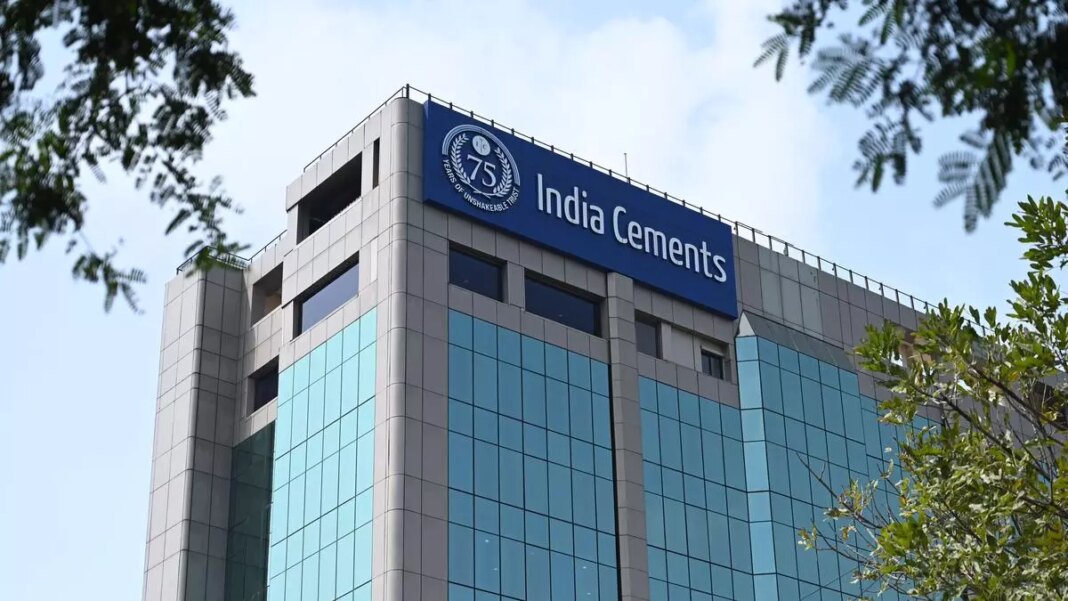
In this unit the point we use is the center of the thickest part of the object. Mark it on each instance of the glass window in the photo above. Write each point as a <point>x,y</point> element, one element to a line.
<point>513,576</point>
<point>559,492</point>
<point>479,275</point>
<point>487,562</point>
<point>486,466</point>
<point>647,331</point>
<point>461,554</point>
<point>511,477</point>
<point>265,385</point>
<point>327,298</point>
<point>566,307</point>
<point>250,500</point>
<point>537,568</point>
<point>527,477</point>
<point>712,363</point>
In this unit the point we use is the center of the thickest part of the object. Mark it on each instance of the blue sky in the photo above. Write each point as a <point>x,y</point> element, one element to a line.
<point>673,86</point>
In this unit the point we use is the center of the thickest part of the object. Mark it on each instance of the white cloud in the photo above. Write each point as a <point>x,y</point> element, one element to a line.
<point>693,115</point>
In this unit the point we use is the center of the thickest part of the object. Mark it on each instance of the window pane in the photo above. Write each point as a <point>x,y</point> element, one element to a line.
<point>487,562</point>
<point>712,364</point>
<point>331,296</point>
<point>562,306</point>
<point>648,336</point>
<point>475,274</point>
<point>265,386</point>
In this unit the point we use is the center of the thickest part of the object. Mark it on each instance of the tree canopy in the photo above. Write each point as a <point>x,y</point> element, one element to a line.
<point>973,503</point>
<point>1002,65</point>
<point>976,503</point>
<point>145,84</point>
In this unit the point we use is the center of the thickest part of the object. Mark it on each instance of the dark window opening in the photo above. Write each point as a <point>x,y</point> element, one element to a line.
<point>330,198</point>
<point>1046,399</point>
<point>479,275</point>
<point>647,331</point>
<point>569,308</point>
<point>247,534</point>
<point>340,286</point>
<point>267,294</point>
<point>264,384</point>
<point>375,163</point>
<point>712,364</point>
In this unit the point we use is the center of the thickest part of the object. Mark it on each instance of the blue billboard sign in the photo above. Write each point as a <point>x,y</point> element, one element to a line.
<point>548,199</point>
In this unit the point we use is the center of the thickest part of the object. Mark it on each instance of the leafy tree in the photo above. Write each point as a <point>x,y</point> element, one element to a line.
<point>1002,63</point>
<point>145,83</point>
<point>975,505</point>
<point>978,504</point>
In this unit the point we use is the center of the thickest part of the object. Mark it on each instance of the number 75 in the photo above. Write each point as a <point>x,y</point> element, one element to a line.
<point>489,171</point>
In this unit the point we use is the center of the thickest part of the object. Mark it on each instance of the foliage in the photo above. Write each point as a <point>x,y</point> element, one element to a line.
<point>983,503</point>
<point>911,61</point>
<point>145,84</point>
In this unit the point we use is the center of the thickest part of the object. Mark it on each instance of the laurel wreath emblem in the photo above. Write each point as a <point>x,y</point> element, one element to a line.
<point>503,187</point>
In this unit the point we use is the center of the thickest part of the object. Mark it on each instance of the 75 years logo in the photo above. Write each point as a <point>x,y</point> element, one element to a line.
<point>480,168</point>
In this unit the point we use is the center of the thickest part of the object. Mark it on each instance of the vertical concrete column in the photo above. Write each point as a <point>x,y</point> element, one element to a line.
<point>390,256</point>
<point>515,285</point>
<point>198,389</point>
<point>392,434</point>
<point>627,441</point>
<point>411,438</point>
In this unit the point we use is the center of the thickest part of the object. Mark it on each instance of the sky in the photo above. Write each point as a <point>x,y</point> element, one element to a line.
<point>669,83</point>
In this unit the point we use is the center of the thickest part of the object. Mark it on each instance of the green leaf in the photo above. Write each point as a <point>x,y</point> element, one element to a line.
<point>780,64</point>
<point>115,104</point>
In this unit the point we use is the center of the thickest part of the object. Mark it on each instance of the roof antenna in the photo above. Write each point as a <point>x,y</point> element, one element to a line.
<point>626,168</point>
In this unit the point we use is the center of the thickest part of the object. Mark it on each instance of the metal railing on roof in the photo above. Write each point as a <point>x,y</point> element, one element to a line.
<point>259,252</point>
<point>224,259</point>
<point>232,260</point>
<point>739,229</point>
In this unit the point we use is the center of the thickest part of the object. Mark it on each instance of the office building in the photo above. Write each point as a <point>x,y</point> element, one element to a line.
<point>475,367</point>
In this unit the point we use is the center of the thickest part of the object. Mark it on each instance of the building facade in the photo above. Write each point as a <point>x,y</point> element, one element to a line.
<point>477,368</point>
